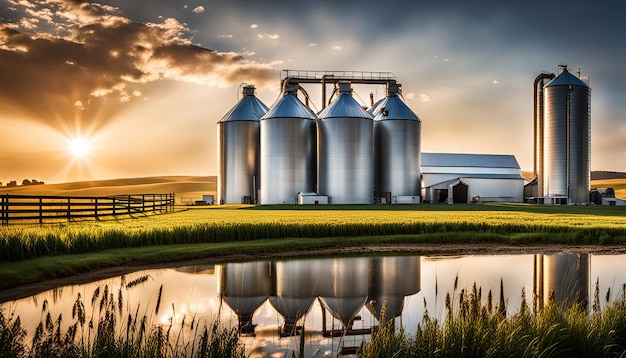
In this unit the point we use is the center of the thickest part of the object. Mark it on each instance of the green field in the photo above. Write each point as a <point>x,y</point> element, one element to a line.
<point>34,253</point>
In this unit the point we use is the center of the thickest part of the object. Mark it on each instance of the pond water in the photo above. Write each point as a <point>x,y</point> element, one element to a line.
<point>336,300</point>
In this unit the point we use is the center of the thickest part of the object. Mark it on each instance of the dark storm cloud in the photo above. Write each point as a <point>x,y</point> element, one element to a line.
<point>66,59</point>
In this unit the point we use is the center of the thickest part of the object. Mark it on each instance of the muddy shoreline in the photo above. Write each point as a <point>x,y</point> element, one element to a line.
<point>422,249</point>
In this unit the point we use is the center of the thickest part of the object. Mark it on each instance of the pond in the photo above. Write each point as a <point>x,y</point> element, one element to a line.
<point>327,306</point>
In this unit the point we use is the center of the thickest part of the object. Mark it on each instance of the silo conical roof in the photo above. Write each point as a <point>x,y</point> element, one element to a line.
<point>345,106</point>
<point>289,106</point>
<point>566,79</point>
<point>392,107</point>
<point>249,108</point>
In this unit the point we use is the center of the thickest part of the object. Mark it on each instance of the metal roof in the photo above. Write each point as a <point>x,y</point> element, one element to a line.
<point>249,108</point>
<point>393,107</point>
<point>566,79</point>
<point>289,106</point>
<point>469,160</point>
<point>344,107</point>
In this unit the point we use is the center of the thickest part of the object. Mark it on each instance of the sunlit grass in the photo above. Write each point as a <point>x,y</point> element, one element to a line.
<point>104,326</point>
<point>475,326</point>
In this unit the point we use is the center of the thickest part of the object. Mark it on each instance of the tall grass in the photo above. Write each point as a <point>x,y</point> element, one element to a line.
<point>478,327</point>
<point>95,332</point>
<point>231,225</point>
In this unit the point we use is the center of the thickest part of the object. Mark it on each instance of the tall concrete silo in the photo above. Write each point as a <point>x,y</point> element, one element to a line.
<point>345,139</point>
<point>538,129</point>
<point>288,150</point>
<point>397,135</point>
<point>567,139</point>
<point>238,150</point>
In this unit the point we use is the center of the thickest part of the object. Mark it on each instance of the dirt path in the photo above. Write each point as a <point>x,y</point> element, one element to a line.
<point>426,249</point>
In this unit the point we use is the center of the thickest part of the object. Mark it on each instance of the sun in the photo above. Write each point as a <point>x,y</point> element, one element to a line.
<point>79,147</point>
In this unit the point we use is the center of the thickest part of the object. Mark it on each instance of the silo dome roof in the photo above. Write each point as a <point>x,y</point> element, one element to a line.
<point>289,106</point>
<point>566,79</point>
<point>249,108</point>
<point>344,107</point>
<point>392,107</point>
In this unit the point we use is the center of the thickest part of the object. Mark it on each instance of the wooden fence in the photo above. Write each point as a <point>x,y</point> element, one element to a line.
<point>49,208</point>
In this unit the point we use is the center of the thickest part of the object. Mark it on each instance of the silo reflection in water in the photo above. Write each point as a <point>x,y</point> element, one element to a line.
<point>391,279</point>
<point>295,292</point>
<point>349,289</point>
<point>563,276</point>
<point>244,287</point>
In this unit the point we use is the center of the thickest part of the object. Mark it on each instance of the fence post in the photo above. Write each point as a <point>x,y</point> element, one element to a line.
<point>5,209</point>
<point>95,210</point>
<point>40,211</point>
<point>128,204</point>
<point>143,203</point>
<point>68,209</point>
<point>113,206</point>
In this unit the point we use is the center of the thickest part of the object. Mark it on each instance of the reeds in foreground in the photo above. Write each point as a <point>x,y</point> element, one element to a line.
<point>476,328</point>
<point>99,335</point>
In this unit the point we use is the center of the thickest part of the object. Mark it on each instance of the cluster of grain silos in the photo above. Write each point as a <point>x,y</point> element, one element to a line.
<point>344,154</point>
<point>562,139</point>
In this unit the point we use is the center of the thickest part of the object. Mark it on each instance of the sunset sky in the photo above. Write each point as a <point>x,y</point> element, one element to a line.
<point>142,83</point>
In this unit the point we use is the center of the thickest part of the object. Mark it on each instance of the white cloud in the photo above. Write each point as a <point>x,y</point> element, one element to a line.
<point>254,26</point>
<point>265,35</point>
<point>495,82</point>
<point>185,7</point>
<point>225,36</point>
<point>337,48</point>
<point>312,44</point>
<point>198,10</point>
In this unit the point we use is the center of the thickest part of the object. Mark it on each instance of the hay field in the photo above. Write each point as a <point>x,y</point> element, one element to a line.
<point>187,188</point>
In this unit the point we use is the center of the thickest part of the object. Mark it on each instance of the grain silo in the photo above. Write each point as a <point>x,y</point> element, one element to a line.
<point>345,140</point>
<point>288,150</point>
<point>538,129</point>
<point>567,140</point>
<point>397,133</point>
<point>238,150</point>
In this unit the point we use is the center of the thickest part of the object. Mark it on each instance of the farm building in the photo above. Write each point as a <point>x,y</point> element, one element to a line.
<point>464,178</point>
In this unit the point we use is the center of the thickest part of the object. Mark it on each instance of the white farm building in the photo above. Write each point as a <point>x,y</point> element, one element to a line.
<point>465,178</point>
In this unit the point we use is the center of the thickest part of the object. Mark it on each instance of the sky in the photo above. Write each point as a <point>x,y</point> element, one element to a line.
<point>119,89</point>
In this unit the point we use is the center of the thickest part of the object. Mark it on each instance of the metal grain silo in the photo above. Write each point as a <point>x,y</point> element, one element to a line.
<point>397,134</point>
<point>238,150</point>
<point>538,129</point>
<point>345,140</point>
<point>567,138</point>
<point>288,150</point>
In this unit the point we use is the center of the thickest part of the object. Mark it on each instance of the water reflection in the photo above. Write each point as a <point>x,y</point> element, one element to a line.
<point>326,307</point>
<point>343,286</point>
<point>565,277</point>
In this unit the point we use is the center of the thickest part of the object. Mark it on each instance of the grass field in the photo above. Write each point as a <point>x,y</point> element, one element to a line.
<point>30,253</point>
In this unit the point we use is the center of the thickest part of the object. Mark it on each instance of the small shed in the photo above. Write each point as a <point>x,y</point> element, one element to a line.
<point>311,198</point>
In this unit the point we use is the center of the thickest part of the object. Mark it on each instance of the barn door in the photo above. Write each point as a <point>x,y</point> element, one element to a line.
<point>459,193</point>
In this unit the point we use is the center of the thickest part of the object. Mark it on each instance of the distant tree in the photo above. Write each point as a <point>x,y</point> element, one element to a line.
<point>12,183</point>
<point>0,183</point>
<point>26,182</point>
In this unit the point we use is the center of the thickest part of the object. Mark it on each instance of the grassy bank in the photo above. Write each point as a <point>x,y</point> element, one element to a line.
<point>478,327</point>
<point>33,253</point>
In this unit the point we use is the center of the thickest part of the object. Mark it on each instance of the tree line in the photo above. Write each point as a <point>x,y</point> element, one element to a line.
<point>25,182</point>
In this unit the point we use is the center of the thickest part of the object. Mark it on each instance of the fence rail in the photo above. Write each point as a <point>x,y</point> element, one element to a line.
<point>46,208</point>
